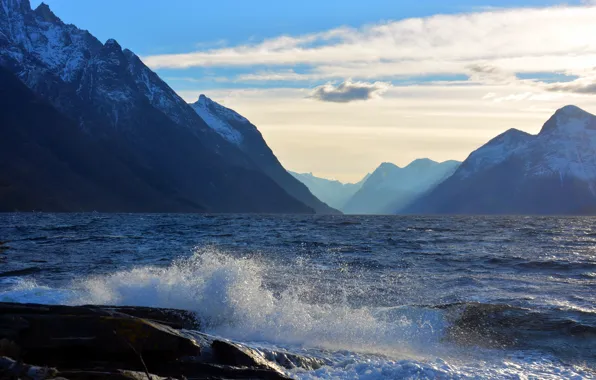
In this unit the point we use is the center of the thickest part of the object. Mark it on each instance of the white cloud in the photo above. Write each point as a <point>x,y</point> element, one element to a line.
<point>516,40</point>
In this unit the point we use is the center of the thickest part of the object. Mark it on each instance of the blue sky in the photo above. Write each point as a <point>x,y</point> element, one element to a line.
<point>337,87</point>
<point>176,26</point>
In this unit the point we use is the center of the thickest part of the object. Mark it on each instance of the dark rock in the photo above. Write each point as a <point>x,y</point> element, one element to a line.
<point>229,353</point>
<point>178,319</point>
<point>11,369</point>
<point>109,375</point>
<point>80,337</point>
<point>199,370</point>
<point>113,342</point>
<point>292,361</point>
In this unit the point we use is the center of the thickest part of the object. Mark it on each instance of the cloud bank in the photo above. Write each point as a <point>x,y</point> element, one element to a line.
<point>503,42</point>
<point>348,91</point>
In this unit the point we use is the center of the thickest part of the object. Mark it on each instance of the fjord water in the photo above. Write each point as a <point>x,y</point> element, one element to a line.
<point>374,296</point>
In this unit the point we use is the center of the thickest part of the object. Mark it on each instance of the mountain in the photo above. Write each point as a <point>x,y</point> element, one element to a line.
<point>123,109</point>
<point>237,130</point>
<point>47,162</point>
<point>332,192</point>
<point>390,188</point>
<point>553,172</point>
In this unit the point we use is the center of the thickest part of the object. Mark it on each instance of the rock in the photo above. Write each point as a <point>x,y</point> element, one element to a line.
<point>11,369</point>
<point>9,348</point>
<point>198,371</point>
<point>234,354</point>
<point>80,337</point>
<point>178,319</point>
<point>292,361</point>
<point>109,342</point>
<point>109,375</point>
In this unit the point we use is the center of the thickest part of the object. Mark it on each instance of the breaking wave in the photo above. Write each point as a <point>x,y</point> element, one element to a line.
<point>235,297</point>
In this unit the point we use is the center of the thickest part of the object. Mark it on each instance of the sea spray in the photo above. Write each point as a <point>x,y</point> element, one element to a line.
<point>231,297</point>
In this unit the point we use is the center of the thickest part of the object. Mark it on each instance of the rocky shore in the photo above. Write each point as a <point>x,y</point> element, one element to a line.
<point>104,342</point>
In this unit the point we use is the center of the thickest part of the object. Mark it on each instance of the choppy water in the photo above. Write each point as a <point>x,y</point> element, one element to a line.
<point>376,297</point>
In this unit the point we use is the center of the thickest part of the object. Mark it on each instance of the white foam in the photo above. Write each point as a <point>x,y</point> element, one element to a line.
<point>28,291</point>
<point>230,296</point>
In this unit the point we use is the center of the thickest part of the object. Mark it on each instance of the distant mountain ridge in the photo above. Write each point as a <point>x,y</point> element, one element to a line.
<point>133,117</point>
<point>390,188</point>
<point>332,192</point>
<point>385,191</point>
<point>553,172</point>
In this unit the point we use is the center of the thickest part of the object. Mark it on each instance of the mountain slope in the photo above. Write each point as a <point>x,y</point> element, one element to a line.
<point>390,188</point>
<point>553,172</point>
<point>237,130</point>
<point>128,110</point>
<point>332,192</point>
<point>48,163</point>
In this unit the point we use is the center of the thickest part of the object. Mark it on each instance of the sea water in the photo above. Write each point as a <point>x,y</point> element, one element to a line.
<point>374,297</point>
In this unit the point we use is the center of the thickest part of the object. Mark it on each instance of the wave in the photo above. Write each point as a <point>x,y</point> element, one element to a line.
<point>235,297</point>
<point>231,298</point>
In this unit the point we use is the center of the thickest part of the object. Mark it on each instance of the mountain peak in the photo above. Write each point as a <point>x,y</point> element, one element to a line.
<point>203,101</point>
<point>387,165</point>
<point>568,118</point>
<point>571,110</point>
<point>112,44</point>
<point>421,163</point>
<point>44,11</point>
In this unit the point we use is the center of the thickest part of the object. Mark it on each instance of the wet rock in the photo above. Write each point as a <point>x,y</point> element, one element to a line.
<point>178,319</point>
<point>78,337</point>
<point>234,354</point>
<point>11,369</point>
<point>199,370</point>
<point>108,342</point>
<point>292,361</point>
<point>9,348</point>
<point>110,375</point>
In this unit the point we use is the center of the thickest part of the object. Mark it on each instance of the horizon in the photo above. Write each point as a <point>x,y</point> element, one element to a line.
<point>340,93</point>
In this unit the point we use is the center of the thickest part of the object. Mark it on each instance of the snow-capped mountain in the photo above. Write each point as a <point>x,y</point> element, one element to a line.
<point>553,172</point>
<point>133,115</point>
<point>390,188</point>
<point>240,132</point>
<point>332,192</point>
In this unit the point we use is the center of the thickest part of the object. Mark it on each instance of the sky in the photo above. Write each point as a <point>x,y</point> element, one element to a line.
<point>337,87</point>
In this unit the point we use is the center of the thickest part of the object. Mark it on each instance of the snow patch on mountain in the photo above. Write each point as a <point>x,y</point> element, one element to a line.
<point>219,118</point>
<point>565,147</point>
<point>494,152</point>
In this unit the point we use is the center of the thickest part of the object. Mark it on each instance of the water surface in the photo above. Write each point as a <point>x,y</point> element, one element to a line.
<point>375,296</point>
